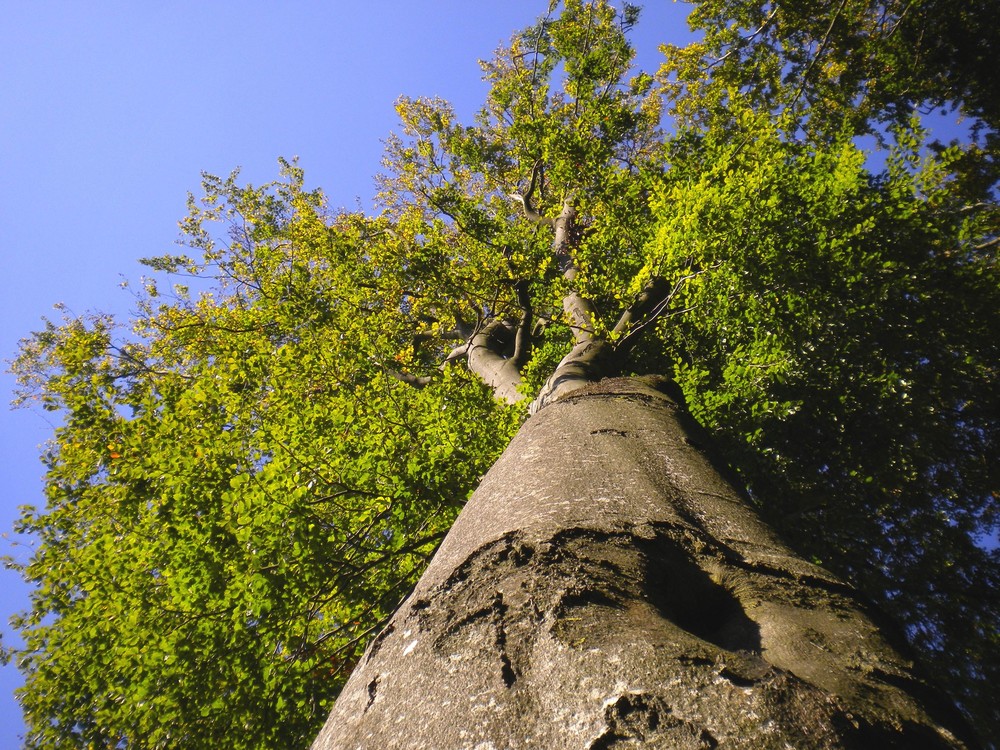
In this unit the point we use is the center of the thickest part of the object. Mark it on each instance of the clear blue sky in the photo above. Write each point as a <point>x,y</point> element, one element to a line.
<point>109,112</point>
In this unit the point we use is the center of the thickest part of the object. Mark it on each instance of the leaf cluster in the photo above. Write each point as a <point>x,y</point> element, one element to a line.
<point>239,491</point>
<point>250,477</point>
<point>836,329</point>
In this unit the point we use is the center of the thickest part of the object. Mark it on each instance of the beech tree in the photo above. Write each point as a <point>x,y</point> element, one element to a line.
<point>250,477</point>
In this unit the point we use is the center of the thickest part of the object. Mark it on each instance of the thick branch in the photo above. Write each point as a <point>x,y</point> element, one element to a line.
<point>522,340</point>
<point>655,291</point>
<point>650,310</point>
<point>562,244</point>
<point>486,359</point>
<point>579,310</point>
<point>484,351</point>
<point>421,337</point>
<point>417,381</point>
<point>525,198</point>
<point>457,353</point>
<point>586,363</point>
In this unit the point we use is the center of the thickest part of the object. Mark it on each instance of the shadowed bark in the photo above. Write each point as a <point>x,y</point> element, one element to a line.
<point>606,587</point>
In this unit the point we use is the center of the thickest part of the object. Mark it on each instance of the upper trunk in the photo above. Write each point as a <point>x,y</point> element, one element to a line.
<point>607,587</point>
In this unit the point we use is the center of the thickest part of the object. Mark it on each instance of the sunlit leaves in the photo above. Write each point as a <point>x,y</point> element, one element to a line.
<point>836,65</point>
<point>563,107</point>
<point>242,491</point>
<point>244,484</point>
<point>835,328</point>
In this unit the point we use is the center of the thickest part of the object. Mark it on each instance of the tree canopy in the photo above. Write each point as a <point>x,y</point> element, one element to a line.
<point>251,472</point>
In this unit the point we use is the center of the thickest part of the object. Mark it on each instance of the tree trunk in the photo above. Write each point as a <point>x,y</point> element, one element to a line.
<point>606,587</point>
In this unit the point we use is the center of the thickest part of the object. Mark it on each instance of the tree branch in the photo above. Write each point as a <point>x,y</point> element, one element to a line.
<point>650,296</point>
<point>580,311</point>
<point>417,381</point>
<point>485,353</point>
<point>656,305</point>
<point>737,46</point>
<point>587,362</point>
<point>522,339</point>
<point>819,52</point>
<point>525,198</point>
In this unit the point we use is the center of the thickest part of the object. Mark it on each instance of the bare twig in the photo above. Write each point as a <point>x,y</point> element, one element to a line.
<point>819,52</point>
<point>743,40</point>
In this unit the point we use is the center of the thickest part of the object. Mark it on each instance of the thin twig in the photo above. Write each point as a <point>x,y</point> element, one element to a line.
<point>819,51</point>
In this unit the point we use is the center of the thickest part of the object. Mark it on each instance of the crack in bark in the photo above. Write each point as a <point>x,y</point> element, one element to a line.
<point>609,431</point>
<point>377,642</point>
<point>372,690</point>
<point>599,568</point>
<point>639,718</point>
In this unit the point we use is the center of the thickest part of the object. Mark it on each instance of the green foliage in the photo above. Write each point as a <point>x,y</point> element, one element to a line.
<point>240,493</point>
<point>836,328</point>
<point>246,482</point>
<point>560,97</point>
<point>842,336</point>
<point>859,65</point>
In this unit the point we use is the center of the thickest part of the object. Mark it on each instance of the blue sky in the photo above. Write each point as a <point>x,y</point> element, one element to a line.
<point>109,112</point>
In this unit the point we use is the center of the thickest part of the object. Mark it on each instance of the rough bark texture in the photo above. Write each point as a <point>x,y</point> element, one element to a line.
<point>606,587</point>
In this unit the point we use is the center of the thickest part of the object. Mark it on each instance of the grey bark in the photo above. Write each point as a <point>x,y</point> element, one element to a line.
<point>498,372</point>
<point>607,587</point>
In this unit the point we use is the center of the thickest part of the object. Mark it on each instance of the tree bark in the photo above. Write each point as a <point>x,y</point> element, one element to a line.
<point>607,587</point>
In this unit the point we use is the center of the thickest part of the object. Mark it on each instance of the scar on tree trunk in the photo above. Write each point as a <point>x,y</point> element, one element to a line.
<point>608,587</point>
